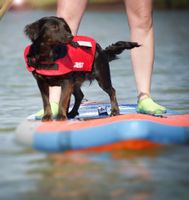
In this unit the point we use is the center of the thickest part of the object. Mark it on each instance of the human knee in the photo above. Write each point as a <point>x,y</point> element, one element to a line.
<point>72,12</point>
<point>65,11</point>
<point>141,19</point>
<point>144,21</point>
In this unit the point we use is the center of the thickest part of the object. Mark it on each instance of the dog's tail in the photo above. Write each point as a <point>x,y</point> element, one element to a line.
<point>117,48</point>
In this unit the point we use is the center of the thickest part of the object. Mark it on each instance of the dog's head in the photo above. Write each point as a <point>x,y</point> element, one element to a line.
<point>49,31</point>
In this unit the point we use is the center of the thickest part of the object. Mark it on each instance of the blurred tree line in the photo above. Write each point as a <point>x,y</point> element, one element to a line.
<point>159,4</point>
<point>171,4</point>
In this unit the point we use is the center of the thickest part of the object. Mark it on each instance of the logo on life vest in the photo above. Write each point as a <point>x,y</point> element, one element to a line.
<point>78,65</point>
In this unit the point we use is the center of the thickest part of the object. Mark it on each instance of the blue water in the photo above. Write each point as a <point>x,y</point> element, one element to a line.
<point>137,175</point>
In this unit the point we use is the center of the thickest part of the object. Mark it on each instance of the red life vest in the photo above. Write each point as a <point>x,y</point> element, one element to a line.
<point>77,59</point>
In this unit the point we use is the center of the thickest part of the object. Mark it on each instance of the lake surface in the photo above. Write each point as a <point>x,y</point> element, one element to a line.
<point>150,174</point>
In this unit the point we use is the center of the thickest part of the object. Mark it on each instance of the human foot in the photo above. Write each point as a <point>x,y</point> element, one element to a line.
<point>148,106</point>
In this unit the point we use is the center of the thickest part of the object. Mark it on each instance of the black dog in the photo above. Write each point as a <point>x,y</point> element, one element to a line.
<point>50,36</point>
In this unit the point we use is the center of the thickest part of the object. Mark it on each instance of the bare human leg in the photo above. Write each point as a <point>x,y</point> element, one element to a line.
<point>140,22</point>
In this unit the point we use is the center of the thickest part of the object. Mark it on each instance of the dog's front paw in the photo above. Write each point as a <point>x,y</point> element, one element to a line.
<point>61,117</point>
<point>46,118</point>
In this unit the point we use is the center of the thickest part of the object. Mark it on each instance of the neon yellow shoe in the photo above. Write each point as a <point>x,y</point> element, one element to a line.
<point>54,109</point>
<point>148,106</point>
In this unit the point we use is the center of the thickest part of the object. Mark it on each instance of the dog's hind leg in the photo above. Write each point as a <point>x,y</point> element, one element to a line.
<point>102,75</point>
<point>112,94</point>
<point>44,89</point>
<point>78,95</point>
<point>66,91</point>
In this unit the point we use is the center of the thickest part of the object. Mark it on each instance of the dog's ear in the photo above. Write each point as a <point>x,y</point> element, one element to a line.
<point>32,31</point>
